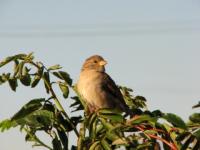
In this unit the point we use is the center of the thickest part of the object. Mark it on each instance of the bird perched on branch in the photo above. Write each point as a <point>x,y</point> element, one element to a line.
<point>97,88</point>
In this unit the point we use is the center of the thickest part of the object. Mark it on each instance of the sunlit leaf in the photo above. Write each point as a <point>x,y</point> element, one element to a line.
<point>92,124</point>
<point>64,76</point>
<point>11,58</point>
<point>94,145</point>
<point>7,124</point>
<point>55,67</point>
<point>120,141</point>
<point>141,119</point>
<point>110,114</point>
<point>64,88</point>
<point>105,145</point>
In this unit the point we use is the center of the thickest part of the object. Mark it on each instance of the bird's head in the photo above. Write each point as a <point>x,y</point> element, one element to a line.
<point>94,62</point>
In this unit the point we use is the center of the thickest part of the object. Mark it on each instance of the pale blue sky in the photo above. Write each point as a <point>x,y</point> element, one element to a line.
<point>151,46</point>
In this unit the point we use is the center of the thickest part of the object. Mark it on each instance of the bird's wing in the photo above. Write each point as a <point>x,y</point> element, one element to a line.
<point>110,86</point>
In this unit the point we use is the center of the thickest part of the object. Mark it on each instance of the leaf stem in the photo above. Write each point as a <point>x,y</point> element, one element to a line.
<point>37,139</point>
<point>57,103</point>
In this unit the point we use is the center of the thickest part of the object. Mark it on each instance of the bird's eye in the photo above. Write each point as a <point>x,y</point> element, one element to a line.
<point>95,61</point>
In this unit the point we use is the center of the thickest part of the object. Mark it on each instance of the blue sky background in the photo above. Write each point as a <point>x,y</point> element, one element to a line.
<point>151,46</point>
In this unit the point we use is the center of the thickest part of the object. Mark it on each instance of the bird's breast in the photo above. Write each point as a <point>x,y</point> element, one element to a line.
<point>90,88</point>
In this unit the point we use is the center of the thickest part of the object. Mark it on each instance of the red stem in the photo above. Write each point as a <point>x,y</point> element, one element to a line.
<point>172,146</point>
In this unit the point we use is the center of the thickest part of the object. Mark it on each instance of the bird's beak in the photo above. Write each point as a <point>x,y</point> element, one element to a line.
<point>102,63</point>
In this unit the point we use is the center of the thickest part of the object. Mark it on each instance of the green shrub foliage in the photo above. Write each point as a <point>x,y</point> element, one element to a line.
<point>106,129</point>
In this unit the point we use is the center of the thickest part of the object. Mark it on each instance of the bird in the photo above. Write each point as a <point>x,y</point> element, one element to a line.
<point>97,88</point>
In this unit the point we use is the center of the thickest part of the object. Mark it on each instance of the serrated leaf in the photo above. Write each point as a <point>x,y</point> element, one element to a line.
<point>13,83</point>
<point>65,90</point>
<point>55,67</point>
<point>175,120</point>
<point>64,76</point>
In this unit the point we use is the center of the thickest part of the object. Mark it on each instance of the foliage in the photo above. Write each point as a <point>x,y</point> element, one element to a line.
<point>105,129</point>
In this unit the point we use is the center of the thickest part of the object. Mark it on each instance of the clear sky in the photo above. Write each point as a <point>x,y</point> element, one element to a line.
<point>151,46</point>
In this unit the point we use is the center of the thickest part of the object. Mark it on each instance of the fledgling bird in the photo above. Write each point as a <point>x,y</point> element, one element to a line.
<point>97,88</point>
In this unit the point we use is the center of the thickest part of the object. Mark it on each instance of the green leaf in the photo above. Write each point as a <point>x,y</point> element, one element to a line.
<point>13,83</point>
<point>64,88</point>
<point>180,137</point>
<point>111,114</point>
<point>28,108</point>
<point>175,120</point>
<point>29,57</point>
<point>4,77</point>
<point>11,58</point>
<point>16,67</point>
<point>77,104</point>
<point>20,69</point>
<point>105,145</point>
<point>6,125</point>
<point>195,118</point>
<point>56,144</point>
<point>25,78</point>
<point>142,118</point>
<point>92,125</point>
<point>64,123</point>
<point>64,76</point>
<point>55,67</point>
<point>37,77</point>
<point>197,134</point>
<point>64,139</point>
<point>94,145</point>
<point>46,81</point>
<point>197,105</point>
<point>120,141</point>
